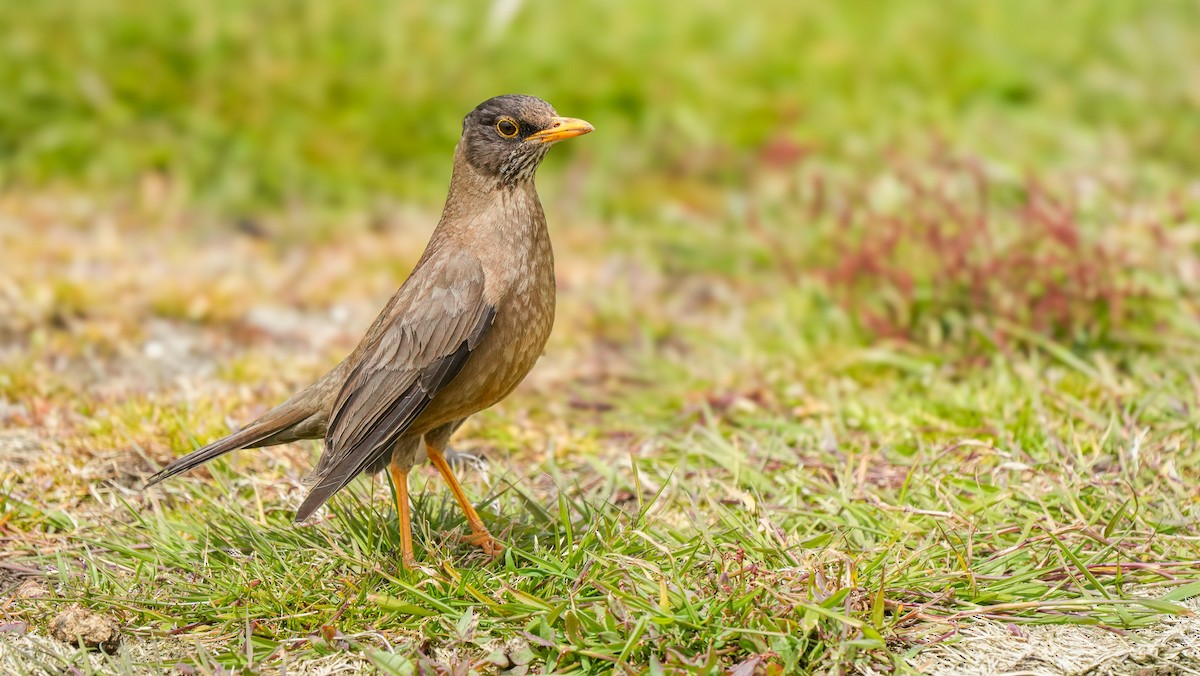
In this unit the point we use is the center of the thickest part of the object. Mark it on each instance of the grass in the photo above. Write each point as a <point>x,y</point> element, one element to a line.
<point>828,386</point>
<point>344,104</point>
<point>860,497</point>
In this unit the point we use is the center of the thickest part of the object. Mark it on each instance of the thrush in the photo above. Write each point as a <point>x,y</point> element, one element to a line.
<point>457,337</point>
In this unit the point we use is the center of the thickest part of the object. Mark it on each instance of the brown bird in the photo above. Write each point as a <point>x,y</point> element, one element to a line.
<point>461,332</point>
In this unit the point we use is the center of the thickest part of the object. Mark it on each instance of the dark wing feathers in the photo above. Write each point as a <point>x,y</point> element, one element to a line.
<point>424,341</point>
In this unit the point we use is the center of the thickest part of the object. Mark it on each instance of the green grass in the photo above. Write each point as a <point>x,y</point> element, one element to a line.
<point>877,322</point>
<point>257,105</point>
<point>919,498</point>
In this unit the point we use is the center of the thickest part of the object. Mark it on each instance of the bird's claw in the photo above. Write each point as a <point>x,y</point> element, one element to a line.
<point>487,543</point>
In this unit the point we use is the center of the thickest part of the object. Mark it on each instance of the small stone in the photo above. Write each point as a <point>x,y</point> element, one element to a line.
<point>31,588</point>
<point>498,659</point>
<point>18,449</point>
<point>82,627</point>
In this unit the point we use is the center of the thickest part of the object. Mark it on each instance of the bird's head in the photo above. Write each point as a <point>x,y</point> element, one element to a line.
<point>506,137</point>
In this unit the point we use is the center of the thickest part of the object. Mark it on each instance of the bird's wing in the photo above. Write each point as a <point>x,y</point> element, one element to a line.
<point>422,341</point>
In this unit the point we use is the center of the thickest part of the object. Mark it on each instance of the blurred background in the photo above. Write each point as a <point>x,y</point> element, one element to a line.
<point>732,136</point>
<point>898,275</point>
<point>255,105</point>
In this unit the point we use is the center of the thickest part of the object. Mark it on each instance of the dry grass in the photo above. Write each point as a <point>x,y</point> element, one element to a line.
<point>820,398</point>
<point>862,500</point>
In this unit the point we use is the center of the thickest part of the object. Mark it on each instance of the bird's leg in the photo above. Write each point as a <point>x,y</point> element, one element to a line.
<point>480,535</point>
<point>400,482</point>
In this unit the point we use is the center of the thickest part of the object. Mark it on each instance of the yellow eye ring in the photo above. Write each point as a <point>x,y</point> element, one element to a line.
<point>507,128</point>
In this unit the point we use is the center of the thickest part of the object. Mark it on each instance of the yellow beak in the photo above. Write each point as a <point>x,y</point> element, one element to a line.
<point>561,128</point>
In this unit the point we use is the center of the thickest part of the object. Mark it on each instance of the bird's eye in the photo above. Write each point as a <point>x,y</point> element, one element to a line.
<point>506,127</point>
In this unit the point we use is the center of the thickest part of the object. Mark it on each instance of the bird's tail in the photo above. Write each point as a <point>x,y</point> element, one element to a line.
<point>272,428</point>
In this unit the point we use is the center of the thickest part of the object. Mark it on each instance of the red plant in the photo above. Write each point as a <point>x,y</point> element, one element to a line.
<point>953,247</point>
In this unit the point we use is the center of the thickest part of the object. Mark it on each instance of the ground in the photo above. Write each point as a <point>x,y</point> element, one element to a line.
<point>829,389</point>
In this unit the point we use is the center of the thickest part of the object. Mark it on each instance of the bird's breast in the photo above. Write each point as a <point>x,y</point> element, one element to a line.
<point>518,265</point>
<point>524,319</point>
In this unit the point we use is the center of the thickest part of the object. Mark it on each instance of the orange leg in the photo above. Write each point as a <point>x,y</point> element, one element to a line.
<point>400,483</point>
<point>480,535</point>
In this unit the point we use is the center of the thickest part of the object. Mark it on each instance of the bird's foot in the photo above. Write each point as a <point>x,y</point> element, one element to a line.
<point>484,540</point>
<point>409,561</point>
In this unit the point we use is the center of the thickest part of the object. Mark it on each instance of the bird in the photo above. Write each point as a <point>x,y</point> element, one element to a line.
<point>461,332</point>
